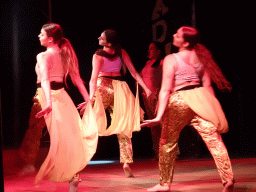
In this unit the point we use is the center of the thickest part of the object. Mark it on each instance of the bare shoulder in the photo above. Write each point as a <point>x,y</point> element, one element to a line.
<point>43,56</point>
<point>170,60</point>
<point>97,60</point>
<point>169,57</point>
<point>124,53</point>
<point>97,57</point>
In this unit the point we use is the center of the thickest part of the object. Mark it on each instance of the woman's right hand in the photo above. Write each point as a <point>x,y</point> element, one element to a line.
<point>148,92</point>
<point>46,111</point>
<point>82,107</point>
<point>150,123</point>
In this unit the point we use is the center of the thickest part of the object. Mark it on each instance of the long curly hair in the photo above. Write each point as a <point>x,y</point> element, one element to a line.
<point>191,36</point>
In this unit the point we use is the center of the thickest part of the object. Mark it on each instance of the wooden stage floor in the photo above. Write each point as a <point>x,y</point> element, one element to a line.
<point>108,176</point>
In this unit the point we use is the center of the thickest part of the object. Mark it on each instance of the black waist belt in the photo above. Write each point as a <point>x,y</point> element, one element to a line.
<point>54,85</point>
<point>119,78</point>
<point>189,87</point>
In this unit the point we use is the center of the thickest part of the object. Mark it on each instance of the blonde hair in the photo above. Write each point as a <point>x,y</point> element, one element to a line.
<point>67,52</point>
<point>69,59</point>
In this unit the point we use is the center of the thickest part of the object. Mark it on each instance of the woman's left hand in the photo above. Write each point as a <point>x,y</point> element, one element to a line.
<point>82,106</point>
<point>150,123</point>
<point>148,92</point>
<point>44,112</point>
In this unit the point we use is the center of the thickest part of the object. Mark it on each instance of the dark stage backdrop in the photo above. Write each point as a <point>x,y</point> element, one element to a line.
<point>223,30</point>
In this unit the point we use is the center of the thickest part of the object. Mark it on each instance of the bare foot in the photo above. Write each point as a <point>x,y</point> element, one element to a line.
<point>27,170</point>
<point>127,170</point>
<point>159,187</point>
<point>229,187</point>
<point>74,183</point>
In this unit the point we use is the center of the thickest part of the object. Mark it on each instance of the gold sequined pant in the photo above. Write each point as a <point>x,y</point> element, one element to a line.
<point>106,91</point>
<point>176,116</point>
<point>150,107</point>
<point>31,142</point>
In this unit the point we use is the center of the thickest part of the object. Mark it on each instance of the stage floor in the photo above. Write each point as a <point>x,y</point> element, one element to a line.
<point>100,176</point>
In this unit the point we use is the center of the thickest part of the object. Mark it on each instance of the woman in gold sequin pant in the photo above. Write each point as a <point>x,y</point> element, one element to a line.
<point>176,116</point>
<point>187,98</point>
<point>31,142</point>
<point>106,92</point>
<point>110,92</point>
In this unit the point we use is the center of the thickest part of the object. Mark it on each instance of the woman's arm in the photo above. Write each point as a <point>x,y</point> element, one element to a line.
<point>134,73</point>
<point>97,63</point>
<point>206,81</point>
<point>43,60</point>
<point>166,88</point>
<point>78,82</point>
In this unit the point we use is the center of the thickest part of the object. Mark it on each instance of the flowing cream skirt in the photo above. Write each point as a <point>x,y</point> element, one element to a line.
<point>206,105</point>
<point>127,113</point>
<point>73,140</point>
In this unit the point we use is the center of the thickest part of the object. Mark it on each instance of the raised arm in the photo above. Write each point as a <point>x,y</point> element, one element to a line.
<point>43,60</point>
<point>134,73</point>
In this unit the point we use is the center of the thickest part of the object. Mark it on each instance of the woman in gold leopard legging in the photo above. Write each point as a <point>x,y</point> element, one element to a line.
<point>188,75</point>
<point>109,91</point>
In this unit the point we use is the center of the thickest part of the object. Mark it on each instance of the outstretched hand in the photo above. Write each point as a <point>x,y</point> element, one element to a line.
<point>82,106</point>
<point>148,93</point>
<point>44,112</point>
<point>150,123</point>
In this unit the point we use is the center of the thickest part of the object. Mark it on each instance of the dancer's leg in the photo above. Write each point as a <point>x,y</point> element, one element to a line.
<point>214,143</point>
<point>126,153</point>
<point>74,183</point>
<point>31,142</point>
<point>176,116</point>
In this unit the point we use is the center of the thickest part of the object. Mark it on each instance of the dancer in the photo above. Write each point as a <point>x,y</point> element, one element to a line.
<point>152,76</point>
<point>31,142</point>
<point>73,140</point>
<point>109,91</point>
<point>187,97</point>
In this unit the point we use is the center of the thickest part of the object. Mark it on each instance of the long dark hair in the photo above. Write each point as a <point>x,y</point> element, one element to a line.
<point>67,52</point>
<point>191,36</point>
<point>113,38</point>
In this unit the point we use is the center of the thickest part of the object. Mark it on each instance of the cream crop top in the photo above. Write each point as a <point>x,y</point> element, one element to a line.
<point>56,73</point>
<point>111,66</point>
<point>187,73</point>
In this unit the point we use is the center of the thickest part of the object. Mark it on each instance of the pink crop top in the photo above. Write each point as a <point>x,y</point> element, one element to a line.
<point>187,73</point>
<point>111,66</point>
